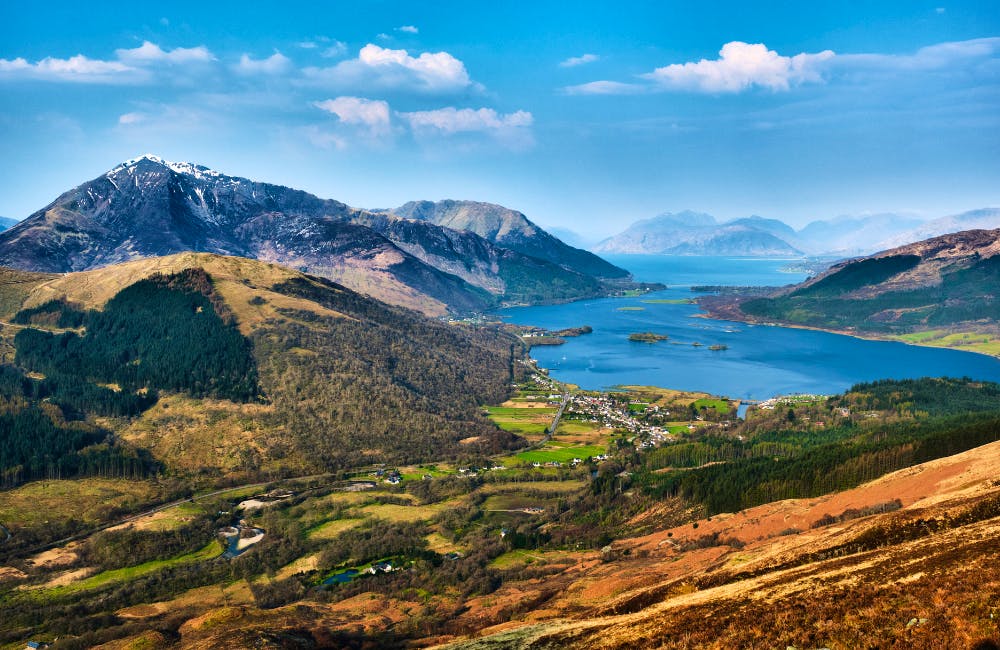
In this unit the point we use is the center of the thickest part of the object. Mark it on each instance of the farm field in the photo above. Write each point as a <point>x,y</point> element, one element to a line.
<point>984,343</point>
<point>528,418</point>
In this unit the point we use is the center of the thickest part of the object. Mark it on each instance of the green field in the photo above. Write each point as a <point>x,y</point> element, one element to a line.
<point>576,427</point>
<point>721,406</point>
<point>331,529</point>
<point>533,420</point>
<point>207,552</point>
<point>551,453</point>
<point>970,341</point>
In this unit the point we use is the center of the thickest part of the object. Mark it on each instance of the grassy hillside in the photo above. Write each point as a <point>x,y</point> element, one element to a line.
<point>940,292</point>
<point>551,557</point>
<point>963,295</point>
<point>336,379</point>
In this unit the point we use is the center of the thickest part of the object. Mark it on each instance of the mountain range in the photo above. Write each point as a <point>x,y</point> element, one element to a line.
<point>149,207</point>
<point>694,233</point>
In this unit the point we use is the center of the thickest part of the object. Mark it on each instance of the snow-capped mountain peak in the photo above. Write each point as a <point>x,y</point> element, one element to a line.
<point>198,171</point>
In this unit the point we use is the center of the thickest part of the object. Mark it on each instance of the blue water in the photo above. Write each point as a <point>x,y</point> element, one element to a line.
<point>760,362</point>
<point>342,577</point>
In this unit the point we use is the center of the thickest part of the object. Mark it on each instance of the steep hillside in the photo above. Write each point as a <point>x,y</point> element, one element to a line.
<point>509,229</point>
<point>790,574</point>
<point>693,233</point>
<point>148,207</point>
<point>939,291</point>
<point>333,378</point>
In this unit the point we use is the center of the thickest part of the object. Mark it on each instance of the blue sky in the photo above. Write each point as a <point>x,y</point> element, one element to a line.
<point>582,115</point>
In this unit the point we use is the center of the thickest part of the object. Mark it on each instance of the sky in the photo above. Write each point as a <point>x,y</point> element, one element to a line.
<point>584,115</point>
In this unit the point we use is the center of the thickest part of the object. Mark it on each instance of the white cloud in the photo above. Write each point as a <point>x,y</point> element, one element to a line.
<point>512,130</point>
<point>941,56</point>
<point>574,61</point>
<point>77,68</point>
<point>741,66</point>
<point>451,120</point>
<point>605,88</point>
<point>148,53</point>
<point>307,45</point>
<point>387,69</point>
<point>358,111</point>
<point>277,63</point>
<point>131,118</point>
<point>409,29</point>
<point>131,66</point>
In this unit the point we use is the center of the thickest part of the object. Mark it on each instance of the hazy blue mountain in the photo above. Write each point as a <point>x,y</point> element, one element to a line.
<point>855,235</point>
<point>697,233</point>
<point>982,219</point>
<point>7,222</point>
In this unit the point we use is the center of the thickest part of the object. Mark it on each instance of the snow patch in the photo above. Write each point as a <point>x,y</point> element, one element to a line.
<point>198,171</point>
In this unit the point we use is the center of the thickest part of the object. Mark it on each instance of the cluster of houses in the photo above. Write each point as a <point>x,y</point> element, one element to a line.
<point>789,400</point>
<point>608,412</point>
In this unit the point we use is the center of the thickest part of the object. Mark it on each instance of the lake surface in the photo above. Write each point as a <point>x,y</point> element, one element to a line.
<point>761,361</point>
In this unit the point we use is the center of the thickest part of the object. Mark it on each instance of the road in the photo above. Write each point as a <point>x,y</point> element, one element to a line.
<point>559,413</point>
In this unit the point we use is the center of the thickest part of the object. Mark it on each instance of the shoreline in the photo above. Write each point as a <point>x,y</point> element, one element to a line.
<point>857,335</point>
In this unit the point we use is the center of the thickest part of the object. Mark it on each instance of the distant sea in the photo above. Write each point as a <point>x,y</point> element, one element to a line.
<point>760,361</point>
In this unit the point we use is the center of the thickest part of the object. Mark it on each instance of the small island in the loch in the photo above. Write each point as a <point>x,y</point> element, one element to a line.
<point>535,336</point>
<point>718,347</point>
<point>647,337</point>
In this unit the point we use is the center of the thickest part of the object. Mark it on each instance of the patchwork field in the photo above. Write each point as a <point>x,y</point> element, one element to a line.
<point>530,419</point>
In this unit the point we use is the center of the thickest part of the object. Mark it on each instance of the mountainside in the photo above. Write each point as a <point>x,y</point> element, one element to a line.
<point>942,289</point>
<point>865,519</point>
<point>907,560</point>
<point>149,207</point>
<point>693,233</point>
<point>285,379</point>
<point>509,229</point>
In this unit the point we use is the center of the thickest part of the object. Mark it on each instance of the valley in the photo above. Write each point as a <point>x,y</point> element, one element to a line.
<point>303,465</point>
<point>534,549</point>
<point>500,326</point>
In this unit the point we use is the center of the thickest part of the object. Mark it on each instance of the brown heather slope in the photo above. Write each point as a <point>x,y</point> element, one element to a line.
<point>769,579</point>
<point>237,280</point>
<point>925,576</point>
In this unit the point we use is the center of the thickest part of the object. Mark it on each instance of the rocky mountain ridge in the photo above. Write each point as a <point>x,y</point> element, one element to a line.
<point>148,207</point>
